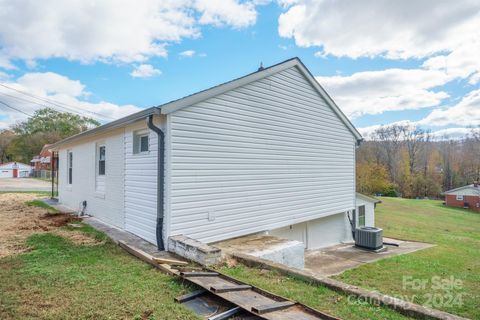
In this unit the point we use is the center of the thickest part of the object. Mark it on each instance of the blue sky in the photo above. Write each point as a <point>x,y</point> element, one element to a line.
<point>381,62</point>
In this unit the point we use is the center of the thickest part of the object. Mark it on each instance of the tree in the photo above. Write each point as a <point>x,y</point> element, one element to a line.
<point>388,139</point>
<point>61,124</point>
<point>373,178</point>
<point>6,137</point>
<point>413,138</point>
<point>46,126</point>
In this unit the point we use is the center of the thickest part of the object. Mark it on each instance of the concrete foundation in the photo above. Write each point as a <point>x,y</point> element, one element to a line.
<point>283,251</point>
<point>194,250</point>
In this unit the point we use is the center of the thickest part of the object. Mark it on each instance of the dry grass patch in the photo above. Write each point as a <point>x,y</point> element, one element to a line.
<point>19,220</point>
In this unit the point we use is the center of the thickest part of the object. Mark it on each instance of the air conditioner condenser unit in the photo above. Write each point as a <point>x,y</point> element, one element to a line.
<point>369,238</point>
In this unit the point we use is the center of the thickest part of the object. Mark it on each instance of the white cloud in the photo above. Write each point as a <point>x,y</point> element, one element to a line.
<point>464,113</point>
<point>448,133</point>
<point>187,53</point>
<point>375,92</point>
<point>319,54</point>
<point>395,29</point>
<point>451,133</point>
<point>463,62</point>
<point>110,30</point>
<point>145,71</point>
<point>226,12</point>
<point>367,132</point>
<point>445,32</point>
<point>70,95</point>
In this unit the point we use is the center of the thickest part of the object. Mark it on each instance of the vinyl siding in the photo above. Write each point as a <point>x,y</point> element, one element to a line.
<point>107,206</point>
<point>263,156</point>
<point>141,185</point>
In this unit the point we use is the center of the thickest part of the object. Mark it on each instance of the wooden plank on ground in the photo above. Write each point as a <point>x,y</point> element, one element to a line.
<point>227,288</point>
<point>142,255</point>
<point>198,274</point>
<point>266,308</point>
<point>171,262</point>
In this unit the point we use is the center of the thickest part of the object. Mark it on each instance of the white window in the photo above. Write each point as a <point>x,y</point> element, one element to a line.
<point>459,197</point>
<point>70,167</point>
<point>101,160</point>
<point>361,216</point>
<point>140,142</point>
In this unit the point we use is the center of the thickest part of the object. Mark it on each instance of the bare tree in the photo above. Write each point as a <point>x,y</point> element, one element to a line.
<point>389,140</point>
<point>413,138</point>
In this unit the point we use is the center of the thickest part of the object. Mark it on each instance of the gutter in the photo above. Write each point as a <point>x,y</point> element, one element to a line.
<point>160,180</point>
<point>111,125</point>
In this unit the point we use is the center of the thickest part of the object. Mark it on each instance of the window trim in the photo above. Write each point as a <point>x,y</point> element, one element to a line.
<point>459,197</point>
<point>69,167</point>
<point>361,216</point>
<point>137,142</point>
<point>99,146</point>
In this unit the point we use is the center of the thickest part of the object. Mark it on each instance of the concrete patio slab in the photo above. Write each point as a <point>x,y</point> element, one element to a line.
<point>335,260</point>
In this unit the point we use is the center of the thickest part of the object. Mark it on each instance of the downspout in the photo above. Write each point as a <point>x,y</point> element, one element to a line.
<point>160,180</point>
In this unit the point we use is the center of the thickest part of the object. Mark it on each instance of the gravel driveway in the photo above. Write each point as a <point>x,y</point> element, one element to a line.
<point>24,184</point>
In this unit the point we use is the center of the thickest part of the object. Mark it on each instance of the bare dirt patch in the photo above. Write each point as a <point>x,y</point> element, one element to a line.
<point>18,221</point>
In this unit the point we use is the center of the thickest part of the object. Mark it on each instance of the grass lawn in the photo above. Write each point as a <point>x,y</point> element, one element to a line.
<point>60,280</point>
<point>314,296</point>
<point>41,204</point>
<point>456,234</point>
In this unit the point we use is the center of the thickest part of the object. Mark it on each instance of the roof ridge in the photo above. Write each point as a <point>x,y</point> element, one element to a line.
<point>229,81</point>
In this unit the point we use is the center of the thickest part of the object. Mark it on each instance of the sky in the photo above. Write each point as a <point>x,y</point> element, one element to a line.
<point>383,62</point>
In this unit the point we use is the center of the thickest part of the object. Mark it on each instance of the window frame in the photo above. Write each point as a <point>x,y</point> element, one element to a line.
<point>69,167</point>
<point>99,167</point>
<point>137,142</point>
<point>361,215</point>
<point>459,197</point>
<point>140,144</point>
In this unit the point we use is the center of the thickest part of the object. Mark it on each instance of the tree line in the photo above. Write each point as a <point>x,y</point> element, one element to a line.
<point>25,139</point>
<point>397,160</point>
<point>405,160</point>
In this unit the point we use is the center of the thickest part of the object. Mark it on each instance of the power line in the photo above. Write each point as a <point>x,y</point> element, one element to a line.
<point>9,106</point>
<point>58,104</point>
<point>22,99</point>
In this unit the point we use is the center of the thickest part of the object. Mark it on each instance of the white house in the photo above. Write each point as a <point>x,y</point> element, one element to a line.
<point>264,152</point>
<point>14,170</point>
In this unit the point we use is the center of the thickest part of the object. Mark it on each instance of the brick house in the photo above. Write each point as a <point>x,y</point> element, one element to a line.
<point>42,163</point>
<point>43,160</point>
<point>464,197</point>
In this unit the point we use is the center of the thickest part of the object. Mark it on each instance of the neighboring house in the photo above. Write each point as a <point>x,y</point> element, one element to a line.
<point>261,153</point>
<point>42,163</point>
<point>14,170</point>
<point>464,197</point>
